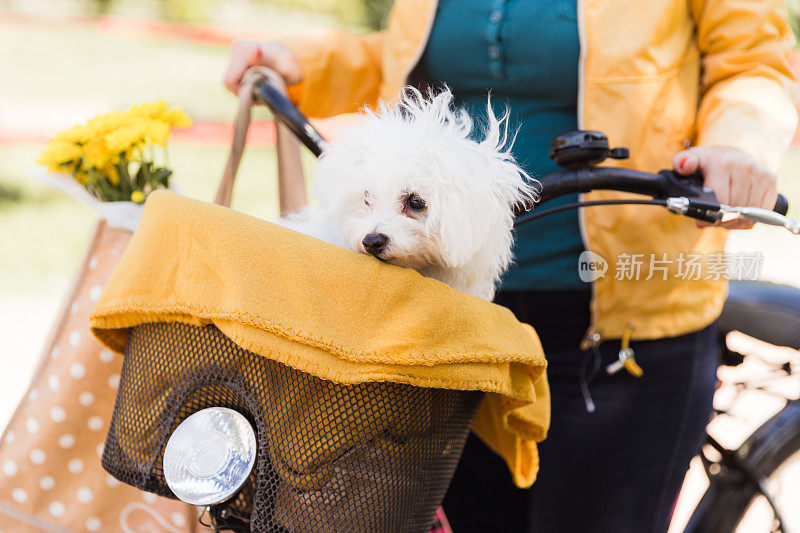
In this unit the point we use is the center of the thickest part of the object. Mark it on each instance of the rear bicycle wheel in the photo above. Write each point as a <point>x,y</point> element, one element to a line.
<point>767,462</point>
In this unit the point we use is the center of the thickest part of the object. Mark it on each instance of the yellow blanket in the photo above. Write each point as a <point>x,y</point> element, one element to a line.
<point>330,312</point>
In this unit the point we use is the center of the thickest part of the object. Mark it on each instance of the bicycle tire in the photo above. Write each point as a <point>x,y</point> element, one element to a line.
<point>730,493</point>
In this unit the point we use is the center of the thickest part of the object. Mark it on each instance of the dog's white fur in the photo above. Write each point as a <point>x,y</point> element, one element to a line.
<point>422,145</point>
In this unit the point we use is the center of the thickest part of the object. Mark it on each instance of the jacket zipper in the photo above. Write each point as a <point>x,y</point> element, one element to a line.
<point>593,337</point>
<point>423,42</point>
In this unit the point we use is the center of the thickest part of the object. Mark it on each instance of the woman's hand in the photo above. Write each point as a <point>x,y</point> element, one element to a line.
<point>246,53</point>
<point>736,178</point>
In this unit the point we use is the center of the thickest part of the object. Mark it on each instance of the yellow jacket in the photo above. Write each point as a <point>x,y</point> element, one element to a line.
<point>657,76</point>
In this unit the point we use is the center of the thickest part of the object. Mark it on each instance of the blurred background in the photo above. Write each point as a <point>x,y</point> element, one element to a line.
<point>64,61</point>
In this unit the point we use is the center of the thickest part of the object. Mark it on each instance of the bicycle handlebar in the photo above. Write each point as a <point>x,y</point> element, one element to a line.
<point>781,205</point>
<point>287,113</point>
<point>666,185</point>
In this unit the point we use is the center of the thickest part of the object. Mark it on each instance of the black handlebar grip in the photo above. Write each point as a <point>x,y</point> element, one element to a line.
<point>781,205</point>
<point>289,115</point>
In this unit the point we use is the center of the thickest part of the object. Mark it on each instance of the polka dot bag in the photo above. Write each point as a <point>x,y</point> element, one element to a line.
<point>50,473</point>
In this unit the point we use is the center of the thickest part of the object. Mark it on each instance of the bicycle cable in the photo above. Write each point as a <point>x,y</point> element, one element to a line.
<point>577,205</point>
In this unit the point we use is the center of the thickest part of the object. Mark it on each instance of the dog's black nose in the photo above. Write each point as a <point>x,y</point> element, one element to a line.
<point>374,243</point>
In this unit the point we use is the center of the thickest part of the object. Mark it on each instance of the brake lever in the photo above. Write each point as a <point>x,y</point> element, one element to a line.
<point>703,204</point>
<point>713,211</point>
<point>765,216</point>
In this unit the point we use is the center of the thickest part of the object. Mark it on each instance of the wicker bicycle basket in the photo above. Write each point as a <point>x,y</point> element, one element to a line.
<point>331,457</point>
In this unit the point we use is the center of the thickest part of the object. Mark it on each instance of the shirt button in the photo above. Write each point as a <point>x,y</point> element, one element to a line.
<point>496,16</point>
<point>494,52</point>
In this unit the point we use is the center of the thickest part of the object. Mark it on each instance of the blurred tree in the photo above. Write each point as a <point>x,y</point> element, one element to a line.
<point>368,14</point>
<point>102,7</point>
<point>376,13</point>
<point>794,16</point>
<point>9,195</point>
<point>192,11</point>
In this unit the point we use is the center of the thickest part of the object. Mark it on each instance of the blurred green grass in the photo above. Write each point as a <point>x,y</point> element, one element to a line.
<point>73,66</point>
<point>356,14</point>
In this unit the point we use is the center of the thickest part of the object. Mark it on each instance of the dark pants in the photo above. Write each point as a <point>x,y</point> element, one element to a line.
<point>618,469</point>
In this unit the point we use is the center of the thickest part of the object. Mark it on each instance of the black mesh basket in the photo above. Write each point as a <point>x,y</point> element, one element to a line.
<point>373,456</point>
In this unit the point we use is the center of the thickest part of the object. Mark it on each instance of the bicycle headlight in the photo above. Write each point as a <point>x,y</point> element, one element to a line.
<point>209,456</point>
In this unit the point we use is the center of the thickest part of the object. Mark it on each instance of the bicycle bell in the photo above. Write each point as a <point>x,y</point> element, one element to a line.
<point>581,149</point>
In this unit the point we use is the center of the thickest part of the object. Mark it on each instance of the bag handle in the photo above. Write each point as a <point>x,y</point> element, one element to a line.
<point>292,193</point>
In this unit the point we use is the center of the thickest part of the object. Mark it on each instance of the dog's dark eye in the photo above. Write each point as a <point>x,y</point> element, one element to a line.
<point>366,198</point>
<point>415,202</point>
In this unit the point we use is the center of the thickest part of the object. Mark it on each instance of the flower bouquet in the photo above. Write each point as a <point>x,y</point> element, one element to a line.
<point>114,160</point>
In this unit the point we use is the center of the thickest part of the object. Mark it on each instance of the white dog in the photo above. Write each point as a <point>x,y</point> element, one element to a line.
<point>410,186</point>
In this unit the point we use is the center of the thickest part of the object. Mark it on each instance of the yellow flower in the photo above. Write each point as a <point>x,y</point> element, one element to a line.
<point>96,152</point>
<point>156,132</point>
<point>76,134</point>
<point>160,111</point>
<point>177,118</point>
<point>111,173</point>
<point>57,153</point>
<point>103,124</point>
<point>149,109</point>
<point>107,142</point>
<point>126,137</point>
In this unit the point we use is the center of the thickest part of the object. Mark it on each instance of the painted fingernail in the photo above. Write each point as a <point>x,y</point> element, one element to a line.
<point>682,162</point>
<point>255,56</point>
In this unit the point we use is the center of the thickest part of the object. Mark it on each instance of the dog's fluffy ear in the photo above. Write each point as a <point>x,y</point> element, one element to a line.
<point>510,183</point>
<point>486,172</point>
<point>462,220</point>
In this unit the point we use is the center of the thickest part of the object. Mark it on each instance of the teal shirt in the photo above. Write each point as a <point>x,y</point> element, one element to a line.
<point>525,52</point>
